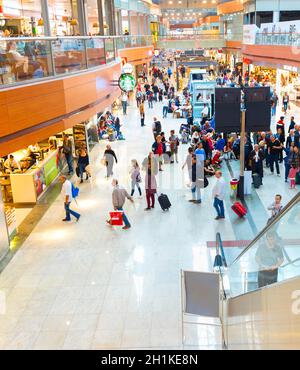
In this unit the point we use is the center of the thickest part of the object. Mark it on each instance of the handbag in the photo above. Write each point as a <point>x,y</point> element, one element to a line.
<point>103,162</point>
<point>138,178</point>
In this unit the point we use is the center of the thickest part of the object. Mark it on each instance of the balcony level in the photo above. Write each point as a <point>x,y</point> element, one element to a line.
<point>49,84</point>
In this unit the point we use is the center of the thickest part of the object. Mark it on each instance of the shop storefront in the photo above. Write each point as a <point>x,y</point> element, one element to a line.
<point>288,81</point>
<point>27,174</point>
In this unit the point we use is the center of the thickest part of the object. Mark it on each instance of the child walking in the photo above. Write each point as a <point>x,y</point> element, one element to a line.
<point>292,176</point>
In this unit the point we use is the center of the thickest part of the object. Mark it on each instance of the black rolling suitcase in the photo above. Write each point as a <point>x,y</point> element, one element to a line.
<point>257,180</point>
<point>164,202</point>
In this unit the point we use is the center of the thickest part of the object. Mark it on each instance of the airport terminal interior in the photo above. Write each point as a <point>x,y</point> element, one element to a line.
<point>149,174</point>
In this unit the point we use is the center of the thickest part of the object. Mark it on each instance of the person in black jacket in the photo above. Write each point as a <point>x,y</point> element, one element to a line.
<point>83,162</point>
<point>292,123</point>
<point>290,139</point>
<point>256,158</point>
<point>109,157</point>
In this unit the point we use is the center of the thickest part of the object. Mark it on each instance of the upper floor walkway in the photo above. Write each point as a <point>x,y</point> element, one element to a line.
<point>24,60</point>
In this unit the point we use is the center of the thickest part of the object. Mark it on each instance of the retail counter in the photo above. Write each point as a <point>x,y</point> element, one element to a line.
<point>28,186</point>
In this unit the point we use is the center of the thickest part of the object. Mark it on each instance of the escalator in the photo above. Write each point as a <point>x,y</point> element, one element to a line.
<point>261,287</point>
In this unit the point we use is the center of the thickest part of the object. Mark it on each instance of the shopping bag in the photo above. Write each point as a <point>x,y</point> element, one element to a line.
<point>116,218</point>
<point>103,162</point>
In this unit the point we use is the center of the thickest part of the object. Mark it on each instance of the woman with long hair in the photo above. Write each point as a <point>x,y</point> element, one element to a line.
<point>135,177</point>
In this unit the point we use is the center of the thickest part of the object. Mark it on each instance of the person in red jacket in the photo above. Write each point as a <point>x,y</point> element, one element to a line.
<point>159,148</point>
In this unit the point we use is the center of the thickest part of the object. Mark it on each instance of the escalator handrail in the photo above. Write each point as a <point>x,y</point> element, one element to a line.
<point>276,219</point>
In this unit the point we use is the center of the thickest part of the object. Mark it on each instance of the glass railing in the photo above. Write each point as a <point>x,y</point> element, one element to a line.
<point>273,256</point>
<point>196,35</point>
<point>284,39</point>
<point>26,59</point>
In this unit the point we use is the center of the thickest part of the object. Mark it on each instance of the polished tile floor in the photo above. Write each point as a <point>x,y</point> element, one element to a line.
<point>89,286</point>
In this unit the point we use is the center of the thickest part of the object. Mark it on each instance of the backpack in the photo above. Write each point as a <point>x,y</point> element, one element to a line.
<point>157,126</point>
<point>75,192</point>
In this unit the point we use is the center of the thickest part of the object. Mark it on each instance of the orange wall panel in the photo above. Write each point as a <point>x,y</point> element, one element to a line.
<point>230,7</point>
<point>137,55</point>
<point>283,55</point>
<point>233,44</point>
<point>60,100</point>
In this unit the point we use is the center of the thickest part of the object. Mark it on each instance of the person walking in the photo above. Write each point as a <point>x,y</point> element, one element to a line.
<point>165,106</point>
<point>158,149</point>
<point>142,113</point>
<point>197,173</point>
<point>119,196</point>
<point>156,127</point>
<point>150,181</point>
<point>285,102</point>
<point>68,197</point>
<point>124,100</point>
<point>174,143</point>
<point>274,102</point>
<point>188,162</point>
<point>135,177</point>
<point>256,158</point>
<point>292,176</point>
<point>110,158</point>
<point>275,148</point>
<point>218,194</point>
<point>83,162</point>
<point>67,150</point>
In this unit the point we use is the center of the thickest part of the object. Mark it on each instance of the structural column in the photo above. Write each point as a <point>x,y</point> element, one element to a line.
<point>46,18</point>
<point>110,16</point>
<point>100,16</point>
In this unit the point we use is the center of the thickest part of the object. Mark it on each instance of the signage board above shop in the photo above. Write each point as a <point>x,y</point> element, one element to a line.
<point>127,68</point>
<point>278,28</point>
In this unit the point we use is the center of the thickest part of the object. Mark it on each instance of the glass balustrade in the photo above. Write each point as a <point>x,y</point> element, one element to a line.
<point>25,59</point>
<point>283,39</point>
<point>272,257</point>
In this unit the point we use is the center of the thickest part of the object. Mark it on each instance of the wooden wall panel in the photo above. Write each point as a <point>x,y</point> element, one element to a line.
<point>233,44</point>
<point>230,7</point>
<point>282,55</point>
<point>137,55</point>
<point>28,106</point>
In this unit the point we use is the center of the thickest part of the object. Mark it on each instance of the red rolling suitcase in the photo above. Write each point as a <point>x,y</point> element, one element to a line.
<point>239,209</point>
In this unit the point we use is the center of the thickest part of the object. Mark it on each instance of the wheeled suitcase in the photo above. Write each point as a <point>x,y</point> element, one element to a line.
<point>239,209</point>
<point>257,180</point>
<point>164,202</point>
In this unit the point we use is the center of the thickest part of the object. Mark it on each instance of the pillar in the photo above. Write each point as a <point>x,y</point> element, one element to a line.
<point>100,16</point>
<point>45,16</point>
<point>110,15</point>
<point>276,16</point>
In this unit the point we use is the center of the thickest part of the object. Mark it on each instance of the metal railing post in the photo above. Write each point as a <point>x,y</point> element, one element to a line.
<point>52,59</point>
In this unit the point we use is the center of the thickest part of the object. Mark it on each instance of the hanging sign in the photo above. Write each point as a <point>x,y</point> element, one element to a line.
<point>127,82</point>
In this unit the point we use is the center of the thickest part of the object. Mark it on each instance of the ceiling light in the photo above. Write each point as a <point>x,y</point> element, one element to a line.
<point>170,2</point>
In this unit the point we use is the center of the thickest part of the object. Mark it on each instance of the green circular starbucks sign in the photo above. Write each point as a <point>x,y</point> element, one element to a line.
<point>127,82</point>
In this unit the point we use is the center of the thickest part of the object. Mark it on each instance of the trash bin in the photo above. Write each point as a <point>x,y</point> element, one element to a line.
<point>234,186</point>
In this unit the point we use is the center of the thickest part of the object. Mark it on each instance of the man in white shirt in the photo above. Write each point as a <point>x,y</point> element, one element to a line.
<point>124,100</point>
<point>165,106</point>
<point>204,114</point>
<point>67,194</point>
<point>218,194</point>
